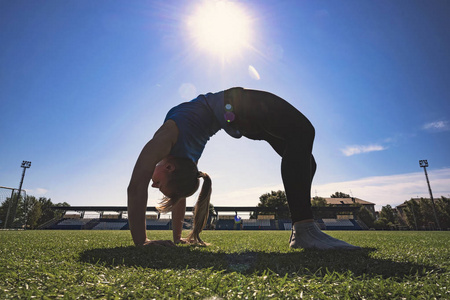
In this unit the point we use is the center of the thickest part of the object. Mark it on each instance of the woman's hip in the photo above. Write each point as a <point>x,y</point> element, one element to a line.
<point>258,113</point>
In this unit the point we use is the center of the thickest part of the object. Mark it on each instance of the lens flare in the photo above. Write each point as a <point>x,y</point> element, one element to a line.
<point>229,116</point>
<point>253,73</point>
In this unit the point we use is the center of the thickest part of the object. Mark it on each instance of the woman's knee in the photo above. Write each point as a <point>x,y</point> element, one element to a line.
<point>309,131</point>
<point>303,135</point>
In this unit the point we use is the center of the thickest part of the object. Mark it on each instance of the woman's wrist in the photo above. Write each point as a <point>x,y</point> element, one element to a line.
<point>177,239</point>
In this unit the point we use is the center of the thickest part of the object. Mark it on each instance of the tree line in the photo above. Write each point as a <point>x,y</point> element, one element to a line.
<point>29,212</point>
<point>418,213</point>
<point>277,199</point>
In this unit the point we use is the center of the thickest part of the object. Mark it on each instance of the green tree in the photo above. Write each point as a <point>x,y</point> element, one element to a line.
<point>366,216</point>
<point>426,208</point>
<point>318,202</point>
<point>420,213</point>
<point>340,195</point>
<point>31,212</point>
<point>388,213</point>
<point>12,208</point>
<point>275,200</point>
<point>4,211</point>
<point>48,213</point>
<point>413,214</point>
<point>34,214</point>
<point>381,223</point>
<point>443,209</point>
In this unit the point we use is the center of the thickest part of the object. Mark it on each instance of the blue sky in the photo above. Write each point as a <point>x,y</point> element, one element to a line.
<point>85,84</point>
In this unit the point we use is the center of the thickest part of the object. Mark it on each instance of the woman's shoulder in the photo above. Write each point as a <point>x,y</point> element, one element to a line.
<point>169,130</point>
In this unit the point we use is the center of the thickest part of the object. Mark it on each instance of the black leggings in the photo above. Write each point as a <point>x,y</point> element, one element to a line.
<point>263,116</point>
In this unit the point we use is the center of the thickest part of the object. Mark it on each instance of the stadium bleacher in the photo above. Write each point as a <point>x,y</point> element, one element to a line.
<point>71,224</point>
<point>358,225</point>
<point>225,224</point>
<point>284,224</point>
<point>338,224</point>
<point>321,224</point>
<point>287,226</point>
<point>326,224</point>
<point>161,224</point>
<point>338,218</point>
<point>108,225</point>
<point>254,224</point>
<point>220,224</point>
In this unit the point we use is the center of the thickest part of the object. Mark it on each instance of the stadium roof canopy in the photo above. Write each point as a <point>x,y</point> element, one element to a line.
<point>218,209</point>
<point>347,201</point>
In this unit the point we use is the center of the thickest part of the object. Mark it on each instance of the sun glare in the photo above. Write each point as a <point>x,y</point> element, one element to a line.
<point>220,28</point>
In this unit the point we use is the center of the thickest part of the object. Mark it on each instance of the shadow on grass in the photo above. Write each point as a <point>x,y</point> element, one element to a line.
<point>306,262</point>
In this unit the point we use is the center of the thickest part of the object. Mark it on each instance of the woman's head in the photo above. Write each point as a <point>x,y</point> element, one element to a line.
<point>176,178</point>
<point>179,178</point>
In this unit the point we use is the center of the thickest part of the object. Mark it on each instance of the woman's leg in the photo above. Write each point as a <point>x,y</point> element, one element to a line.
<point>264,116</point>
<point>279,146</point>
<point>300,210</point>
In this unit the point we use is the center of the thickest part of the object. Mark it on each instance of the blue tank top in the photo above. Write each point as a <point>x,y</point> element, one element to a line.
<point>197,121</point>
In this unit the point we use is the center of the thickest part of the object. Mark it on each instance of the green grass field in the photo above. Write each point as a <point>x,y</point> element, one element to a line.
<point>238,265</point>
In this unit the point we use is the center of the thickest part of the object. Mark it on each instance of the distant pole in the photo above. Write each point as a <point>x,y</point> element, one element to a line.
<point>424,164</point>
<point>25,165</point>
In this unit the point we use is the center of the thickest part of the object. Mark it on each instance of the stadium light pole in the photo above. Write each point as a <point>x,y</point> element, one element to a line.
<point>25,165</point>
<point>424,164</point>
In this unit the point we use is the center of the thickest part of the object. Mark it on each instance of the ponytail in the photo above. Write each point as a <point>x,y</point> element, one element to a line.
<point>201,209</point>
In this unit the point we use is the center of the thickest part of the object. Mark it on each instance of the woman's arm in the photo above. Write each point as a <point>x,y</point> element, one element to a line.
<point>152,153</point>
<point>178,213</point>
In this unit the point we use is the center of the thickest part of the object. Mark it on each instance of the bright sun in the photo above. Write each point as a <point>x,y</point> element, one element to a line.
<point>220,28</point>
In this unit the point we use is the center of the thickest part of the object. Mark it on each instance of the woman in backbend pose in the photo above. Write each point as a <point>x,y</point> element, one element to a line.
<point>170,159</point>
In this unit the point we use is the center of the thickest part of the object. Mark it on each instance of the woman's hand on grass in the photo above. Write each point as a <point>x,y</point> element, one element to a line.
<point>182,241</point>
<point>191,242</point>
<point>163,243</point>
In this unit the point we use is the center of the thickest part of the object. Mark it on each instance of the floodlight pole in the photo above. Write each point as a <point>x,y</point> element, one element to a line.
<point>424,164</point>
<point>25,165</point>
